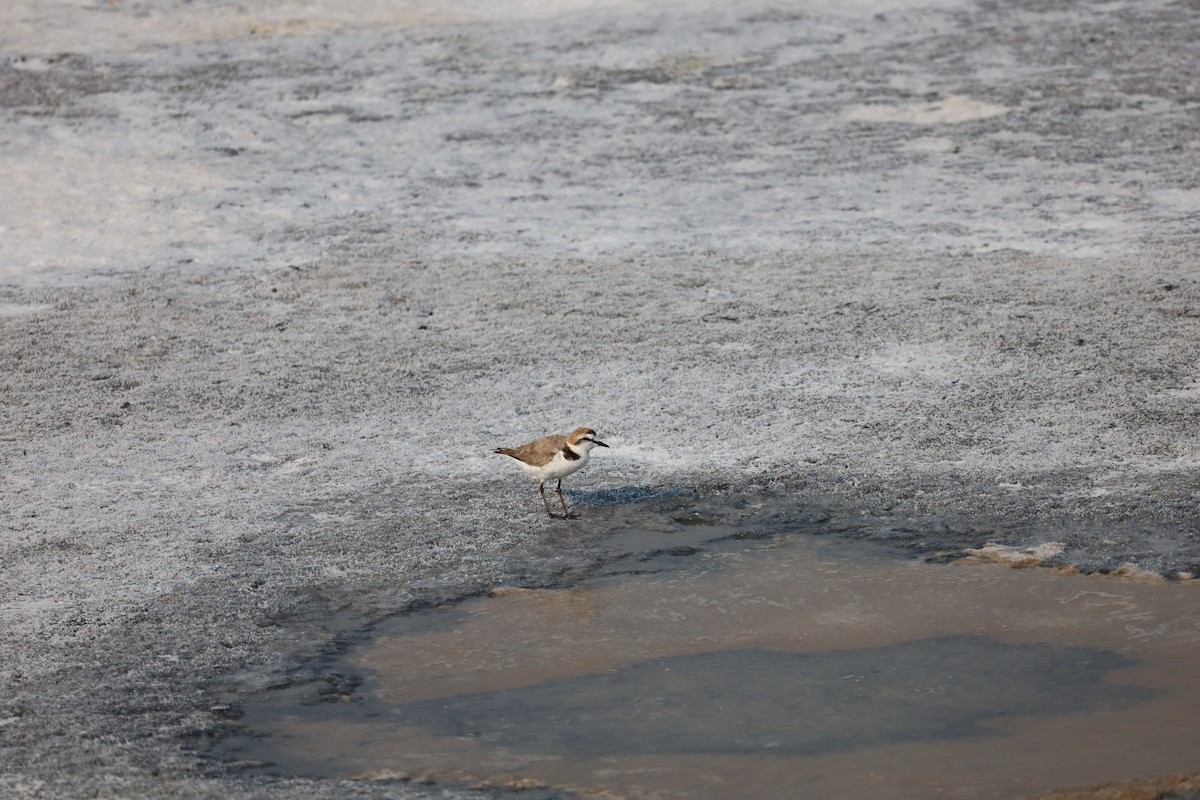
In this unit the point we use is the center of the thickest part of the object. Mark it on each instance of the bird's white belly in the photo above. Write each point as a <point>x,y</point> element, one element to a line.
<point>557,467</point>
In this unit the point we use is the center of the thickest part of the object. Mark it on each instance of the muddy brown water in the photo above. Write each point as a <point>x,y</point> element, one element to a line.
<point>813,666</point>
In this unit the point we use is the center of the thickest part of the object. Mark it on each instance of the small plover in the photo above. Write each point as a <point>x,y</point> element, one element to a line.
<point>554,457</point>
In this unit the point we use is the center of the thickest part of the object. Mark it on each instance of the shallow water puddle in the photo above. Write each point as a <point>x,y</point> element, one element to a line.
<point>761,669</point>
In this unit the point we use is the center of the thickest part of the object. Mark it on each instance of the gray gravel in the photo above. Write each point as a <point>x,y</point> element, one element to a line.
<point>277,277</point>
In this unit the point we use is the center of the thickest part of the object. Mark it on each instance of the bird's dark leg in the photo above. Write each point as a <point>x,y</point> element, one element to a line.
<point>566,514</point>
<point>545,502</point>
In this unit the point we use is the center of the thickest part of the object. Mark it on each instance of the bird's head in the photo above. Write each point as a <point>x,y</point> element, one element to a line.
<point>584,439</point>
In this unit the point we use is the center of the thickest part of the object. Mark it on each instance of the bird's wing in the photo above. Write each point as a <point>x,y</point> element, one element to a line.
<point>537,452</point>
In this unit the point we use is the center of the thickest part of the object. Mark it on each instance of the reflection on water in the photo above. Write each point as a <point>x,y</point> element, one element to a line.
<point>747,668</point>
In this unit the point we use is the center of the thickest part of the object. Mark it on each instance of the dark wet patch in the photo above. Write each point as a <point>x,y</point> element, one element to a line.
<point>1092,545</point>
<point>704,643</point>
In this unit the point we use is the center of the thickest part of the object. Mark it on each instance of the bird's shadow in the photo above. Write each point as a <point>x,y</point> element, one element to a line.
<point>620,495</point>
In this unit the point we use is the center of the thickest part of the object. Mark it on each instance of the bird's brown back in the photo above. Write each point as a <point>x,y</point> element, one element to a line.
<point>537,452</point>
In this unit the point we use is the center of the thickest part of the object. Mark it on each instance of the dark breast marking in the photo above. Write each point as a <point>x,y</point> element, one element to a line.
<point>569,454</point>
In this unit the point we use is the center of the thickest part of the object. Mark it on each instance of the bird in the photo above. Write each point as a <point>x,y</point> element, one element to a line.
<point>553,457</point>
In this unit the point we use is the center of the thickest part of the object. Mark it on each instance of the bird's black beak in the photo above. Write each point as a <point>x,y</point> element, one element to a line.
<point>599,443</point>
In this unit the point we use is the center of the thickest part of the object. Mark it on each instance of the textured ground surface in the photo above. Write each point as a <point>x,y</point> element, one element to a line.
<point>276,277</point>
